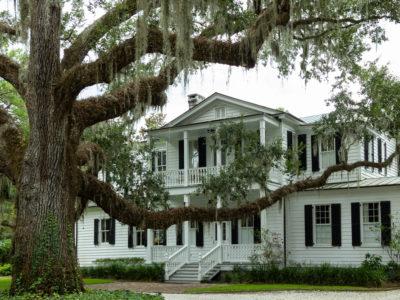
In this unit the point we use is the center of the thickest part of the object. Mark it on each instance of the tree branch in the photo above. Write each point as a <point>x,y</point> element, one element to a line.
<point>9,70</point>
<point>7,29</point>
<point>148,90</point>
<point>126,212</point>
<point>91,156</point>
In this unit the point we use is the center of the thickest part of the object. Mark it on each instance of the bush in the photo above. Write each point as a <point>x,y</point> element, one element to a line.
<point>118,270</point>
<point>90,295</point>
<point>5,270</point>
<point>5,251</point>
<point>316,275</point>
<point>127,261</point>
<point>393,271</point>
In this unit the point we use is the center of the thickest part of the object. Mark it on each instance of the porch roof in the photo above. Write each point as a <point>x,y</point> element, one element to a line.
<point>365,183</point>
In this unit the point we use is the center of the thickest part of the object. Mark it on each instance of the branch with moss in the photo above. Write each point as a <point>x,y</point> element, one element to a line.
<point>7,29</point>
<point>119,208</point>
<point>9,70</point>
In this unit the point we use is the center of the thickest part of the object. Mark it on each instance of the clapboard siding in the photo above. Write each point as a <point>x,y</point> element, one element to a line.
<point>346,254</point>
<point>88,252</point>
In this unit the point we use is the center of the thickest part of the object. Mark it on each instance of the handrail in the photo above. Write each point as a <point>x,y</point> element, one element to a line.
<point>176,261</point>
<point>209,260</point>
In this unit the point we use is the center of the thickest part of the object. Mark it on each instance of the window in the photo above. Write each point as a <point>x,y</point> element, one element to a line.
<point>159,237</point>
<point>371,223</point>
<point>194,224</point>
<point>323,229</point>
<point>161,160</point>
<point>224,231</point>
<point>105,230</point>
<point>220,112</point>
<point>140,237</point>
<point>248,222</point>
<point>328,153</point>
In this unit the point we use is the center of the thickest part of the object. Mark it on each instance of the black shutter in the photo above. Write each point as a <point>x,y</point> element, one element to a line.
<point>314,153</point>
<point>355,224</point>
<point>235,232</point>
<point>302,143</point>
<point>96,231</point>
<point>386,233</point>
<point>385,156</point>
<point>308,225</point>
<point>153,161</point>
<point>179,234</point>
<point>366,149</point>
<point>164,240</point>
<point>201,141</point>
<point>380,153</point>
<point>373,150</point>
<point>257,229</point>
<point>130,236</point>
<point>181,155</point>
<point>336,225</point>
<point>289,140</point>
<point>338,145</point>
<point>144,238</point>
<point>111,240</point>
<point>200,235</point>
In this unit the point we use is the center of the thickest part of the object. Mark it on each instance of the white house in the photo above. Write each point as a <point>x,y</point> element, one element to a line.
<point>335,224</point>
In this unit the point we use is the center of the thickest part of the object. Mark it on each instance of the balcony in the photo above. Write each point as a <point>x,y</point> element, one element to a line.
<point>194,176</point>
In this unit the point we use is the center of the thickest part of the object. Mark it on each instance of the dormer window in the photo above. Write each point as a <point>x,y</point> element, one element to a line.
<point>220,113</point>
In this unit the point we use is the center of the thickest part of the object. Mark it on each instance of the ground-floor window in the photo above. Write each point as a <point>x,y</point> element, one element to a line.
<point>371,223</point>
<point>160,237</point>
<point>140,237</point>
<point>105,230</point>
<point>323,229</point>
<point>248,222</point>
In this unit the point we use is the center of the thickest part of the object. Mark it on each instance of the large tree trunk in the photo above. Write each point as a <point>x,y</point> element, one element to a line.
<point>44,253</point>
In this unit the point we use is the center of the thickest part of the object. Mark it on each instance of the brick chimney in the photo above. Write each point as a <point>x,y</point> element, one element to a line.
<point>194,99</point>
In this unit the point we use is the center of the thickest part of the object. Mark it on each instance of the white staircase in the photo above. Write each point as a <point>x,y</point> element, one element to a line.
<point>188,273</point>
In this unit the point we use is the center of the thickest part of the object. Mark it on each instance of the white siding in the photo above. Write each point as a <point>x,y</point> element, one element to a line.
<point>346,254</point>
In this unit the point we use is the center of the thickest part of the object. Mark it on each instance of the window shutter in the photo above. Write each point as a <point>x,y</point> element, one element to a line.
<point>314,153</point>
<point>181,155</point>
<point>366,150</point>
<point>355,224</point>
<point>385,156</point>
<point>336,225</point>
<point>200,235</point>
<point>111,241</point>
<point>338,145</point>
<point>257,229</point>
<point>235,232</point>
<point>308,225</point>
<point>289,140</point>
<point>302,142</point>
<point>153,161</point>
<point>373,150</point>
<point>164,241</point>
<point>130,237</point>
<point>201,141</point>
<point>380,153</point>
<point>179,234</point>
<point>386,233</point>
<point>144,238</point>
<point>96,231</point>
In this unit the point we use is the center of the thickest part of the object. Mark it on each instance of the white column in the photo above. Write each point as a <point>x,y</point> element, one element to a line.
<point>186,156</point>
<point>186,226</point>
<point>150,243</point>
<point>262,132</point>
<point>219,230</point>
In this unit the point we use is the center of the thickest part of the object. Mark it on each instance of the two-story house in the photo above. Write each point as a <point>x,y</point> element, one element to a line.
<point>337,224</point>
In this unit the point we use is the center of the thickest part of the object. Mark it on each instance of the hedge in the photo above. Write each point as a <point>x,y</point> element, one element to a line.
<point>317,275</point>
<point>89,295</point>
<point>5,251</point>
<point>5,270</point>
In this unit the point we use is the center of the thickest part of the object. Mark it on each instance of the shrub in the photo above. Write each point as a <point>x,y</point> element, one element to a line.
<point>319,275</point>
<point>393,271</point>
<point>5,251</point>
<point>372,262</point>
<point>89,295</point>
<point>5,270</point>
<point>136,272</point>
<point>128,261</point>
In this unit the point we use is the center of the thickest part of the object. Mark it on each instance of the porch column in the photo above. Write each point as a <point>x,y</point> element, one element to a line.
<point>262,132</point>
<point>219,228</point>
<point>186,226</point>
<point>150,244</point>
<point>186,156</point>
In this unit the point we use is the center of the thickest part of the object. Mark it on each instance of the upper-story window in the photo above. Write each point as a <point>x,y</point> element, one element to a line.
<point>371,224</point>
<point>323,229</point>
<point>328,157</point>
<point>161,161</point>
<point>220,112</point>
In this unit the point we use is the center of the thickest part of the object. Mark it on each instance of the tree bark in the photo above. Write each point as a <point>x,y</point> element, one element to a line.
<point>44,253</point>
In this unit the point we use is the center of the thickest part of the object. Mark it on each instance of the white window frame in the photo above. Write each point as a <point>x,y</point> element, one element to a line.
<point>315,225</point>
<point>104,231</point>
<point>327,153</point>
<point>140,232</point>
<point>220,112</point>
<point>157,237</point>
<point>161,160</point>
<point>194,225</point>
<point>377,242</point>
<point>247,222</point>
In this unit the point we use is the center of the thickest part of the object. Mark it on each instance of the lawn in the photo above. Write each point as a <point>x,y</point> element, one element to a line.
<point>238,288</point>
<point>6,281</point>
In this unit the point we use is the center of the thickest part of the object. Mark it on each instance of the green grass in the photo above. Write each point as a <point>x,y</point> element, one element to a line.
<point>239,288</point>
<point>6,281</point>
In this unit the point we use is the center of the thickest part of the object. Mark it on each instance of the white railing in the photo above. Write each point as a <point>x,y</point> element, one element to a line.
<point>195,175</point>
<point>173,177</point>
<point>209,260</point>
<point>176,261</point>
<point>239,252</point>
<point>162,253</point>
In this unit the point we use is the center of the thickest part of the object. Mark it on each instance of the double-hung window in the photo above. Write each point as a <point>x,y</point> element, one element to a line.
<point>323,229</point>
<point>140,236</point>
<point>220,113</point>
<point>328,156</point>
<point>248,222</point>
<point>105,230</point>
<point>159,237</point>
<point>161,160</point>
<point>371,223</point>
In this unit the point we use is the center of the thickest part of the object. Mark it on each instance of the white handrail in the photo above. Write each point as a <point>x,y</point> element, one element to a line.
<point>176,261</point>
<point>209,260</point>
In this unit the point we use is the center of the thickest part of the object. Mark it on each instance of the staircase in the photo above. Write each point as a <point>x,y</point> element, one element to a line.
<point>187,274</point>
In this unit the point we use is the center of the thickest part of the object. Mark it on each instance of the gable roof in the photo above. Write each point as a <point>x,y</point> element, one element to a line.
<point>218,96</point>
